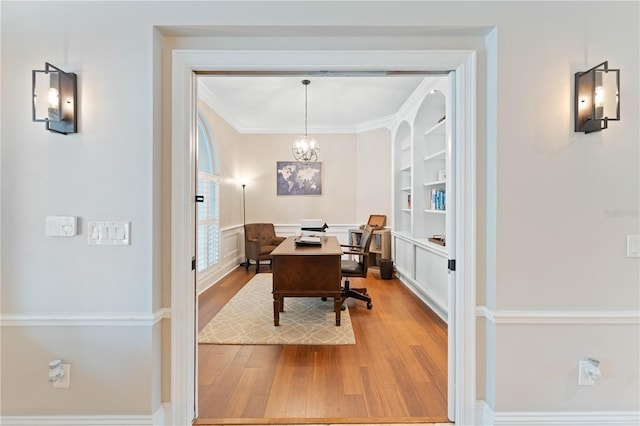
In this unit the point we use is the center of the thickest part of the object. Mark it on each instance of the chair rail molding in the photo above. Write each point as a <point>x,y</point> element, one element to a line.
<point>558,317</point>
<point>107,319</point>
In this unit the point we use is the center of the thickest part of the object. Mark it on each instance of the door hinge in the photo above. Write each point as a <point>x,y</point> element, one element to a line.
<point>193,263</point>
<point>199,198</point>
<point>452,265</point>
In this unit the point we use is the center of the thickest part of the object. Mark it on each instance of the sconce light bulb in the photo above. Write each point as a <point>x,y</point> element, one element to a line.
<point>599,98</point>
<point>53,98</point>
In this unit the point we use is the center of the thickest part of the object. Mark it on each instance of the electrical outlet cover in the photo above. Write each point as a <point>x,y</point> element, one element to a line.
<point>64,381</point>
<point>584,379</point>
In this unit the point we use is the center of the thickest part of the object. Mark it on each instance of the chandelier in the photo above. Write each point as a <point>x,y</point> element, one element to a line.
<point>305,148</point>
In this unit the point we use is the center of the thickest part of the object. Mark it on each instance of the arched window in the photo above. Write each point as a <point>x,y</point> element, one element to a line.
<point>208,232</point>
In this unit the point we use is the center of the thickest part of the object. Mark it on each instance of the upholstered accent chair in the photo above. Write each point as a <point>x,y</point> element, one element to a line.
<point>259,241</point>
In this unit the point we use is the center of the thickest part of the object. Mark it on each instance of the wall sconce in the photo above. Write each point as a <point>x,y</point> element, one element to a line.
<point>597,98</point>
<point>54,99</point>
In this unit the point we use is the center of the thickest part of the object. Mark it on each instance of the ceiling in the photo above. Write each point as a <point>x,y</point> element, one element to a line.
<point>276,103</point>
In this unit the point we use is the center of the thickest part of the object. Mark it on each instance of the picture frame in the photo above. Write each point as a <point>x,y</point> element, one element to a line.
<point>294,178</point>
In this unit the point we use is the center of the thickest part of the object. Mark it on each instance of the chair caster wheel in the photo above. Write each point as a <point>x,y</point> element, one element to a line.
<point>343,308</point>
<point>369,305</point>
<point>324,299</point>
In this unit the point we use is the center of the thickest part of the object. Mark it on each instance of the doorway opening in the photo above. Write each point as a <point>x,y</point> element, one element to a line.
<point>370,97</point>
<point>185,66</point>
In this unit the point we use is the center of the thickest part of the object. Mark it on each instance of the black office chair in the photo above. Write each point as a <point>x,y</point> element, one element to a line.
<point>357,267</point>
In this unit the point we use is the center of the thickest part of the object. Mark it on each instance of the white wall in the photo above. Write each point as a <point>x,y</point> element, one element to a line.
<point>559,253</point>
<point>337,203</point>
<point>61,298</point>
<point>564,201</point>
<point>356,171</point>
<point>373,182</point>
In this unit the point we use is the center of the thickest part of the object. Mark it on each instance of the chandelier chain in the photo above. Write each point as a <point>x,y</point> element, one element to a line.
<point>306,87</point>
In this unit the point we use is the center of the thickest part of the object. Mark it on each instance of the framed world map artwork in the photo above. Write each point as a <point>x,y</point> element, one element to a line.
<point>294,178</point>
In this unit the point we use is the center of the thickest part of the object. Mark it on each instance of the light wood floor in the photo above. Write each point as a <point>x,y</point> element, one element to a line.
<point>395,373</point>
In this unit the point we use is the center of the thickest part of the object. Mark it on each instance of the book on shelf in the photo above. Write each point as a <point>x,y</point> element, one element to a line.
<point>438,199</point>
<point>409,201</point>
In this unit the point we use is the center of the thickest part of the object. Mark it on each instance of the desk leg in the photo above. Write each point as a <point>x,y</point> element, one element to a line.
<point>337,307</point>
<point>276,311</point>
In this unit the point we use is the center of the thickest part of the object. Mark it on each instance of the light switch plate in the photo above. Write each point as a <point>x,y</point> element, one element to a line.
<point>109,233</point>
<point>633,245</point>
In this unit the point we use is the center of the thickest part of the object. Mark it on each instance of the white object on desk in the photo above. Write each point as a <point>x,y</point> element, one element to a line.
<point>311,227</point>
<point>308,240</point>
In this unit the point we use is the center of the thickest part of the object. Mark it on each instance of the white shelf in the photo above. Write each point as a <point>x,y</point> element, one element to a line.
<point>437,127</point>
<point>406,169</point>
<point>406,210</point>
<point>440,155</point>
<point>406,189</point>
<point>435,211</point>
<point>435,183</point>
<point>406,148</point>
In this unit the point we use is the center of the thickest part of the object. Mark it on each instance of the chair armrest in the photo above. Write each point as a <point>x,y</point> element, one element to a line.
<point>277,240</point>
<point>359,253</point>
<point>349,245</point>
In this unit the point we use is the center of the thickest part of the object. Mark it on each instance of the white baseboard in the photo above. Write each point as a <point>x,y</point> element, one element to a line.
<point>485,416</point>
<point>162,417</point>
<point>77,421</point>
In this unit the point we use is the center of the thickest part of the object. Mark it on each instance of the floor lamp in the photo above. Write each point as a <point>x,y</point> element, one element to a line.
<point>244,215</point>
<point>244,219</point>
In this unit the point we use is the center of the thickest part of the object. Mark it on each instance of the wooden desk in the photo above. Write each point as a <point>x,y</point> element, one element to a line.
<point>306,271</point>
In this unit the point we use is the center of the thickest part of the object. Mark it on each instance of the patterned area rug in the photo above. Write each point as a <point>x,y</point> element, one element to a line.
<point>248,319</point>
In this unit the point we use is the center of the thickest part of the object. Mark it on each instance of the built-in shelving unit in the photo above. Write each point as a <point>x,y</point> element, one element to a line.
<point>403,178</point>
<point>422,158</point>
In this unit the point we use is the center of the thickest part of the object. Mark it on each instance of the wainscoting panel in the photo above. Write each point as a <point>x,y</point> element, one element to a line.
<point>424,271</point>
<point>549,346</point>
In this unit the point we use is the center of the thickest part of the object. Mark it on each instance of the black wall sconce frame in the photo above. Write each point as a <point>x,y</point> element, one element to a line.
<point>55,99</point>
<point>597,98</point>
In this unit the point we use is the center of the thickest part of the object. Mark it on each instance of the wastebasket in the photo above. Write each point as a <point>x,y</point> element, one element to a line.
<point>386,269</point>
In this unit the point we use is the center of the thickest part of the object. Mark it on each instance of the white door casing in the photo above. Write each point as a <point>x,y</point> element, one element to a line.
<point>185,63</point>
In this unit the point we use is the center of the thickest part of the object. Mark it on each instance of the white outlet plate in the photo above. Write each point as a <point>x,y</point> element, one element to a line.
<point>584,379</point>
<point>64,381</point>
